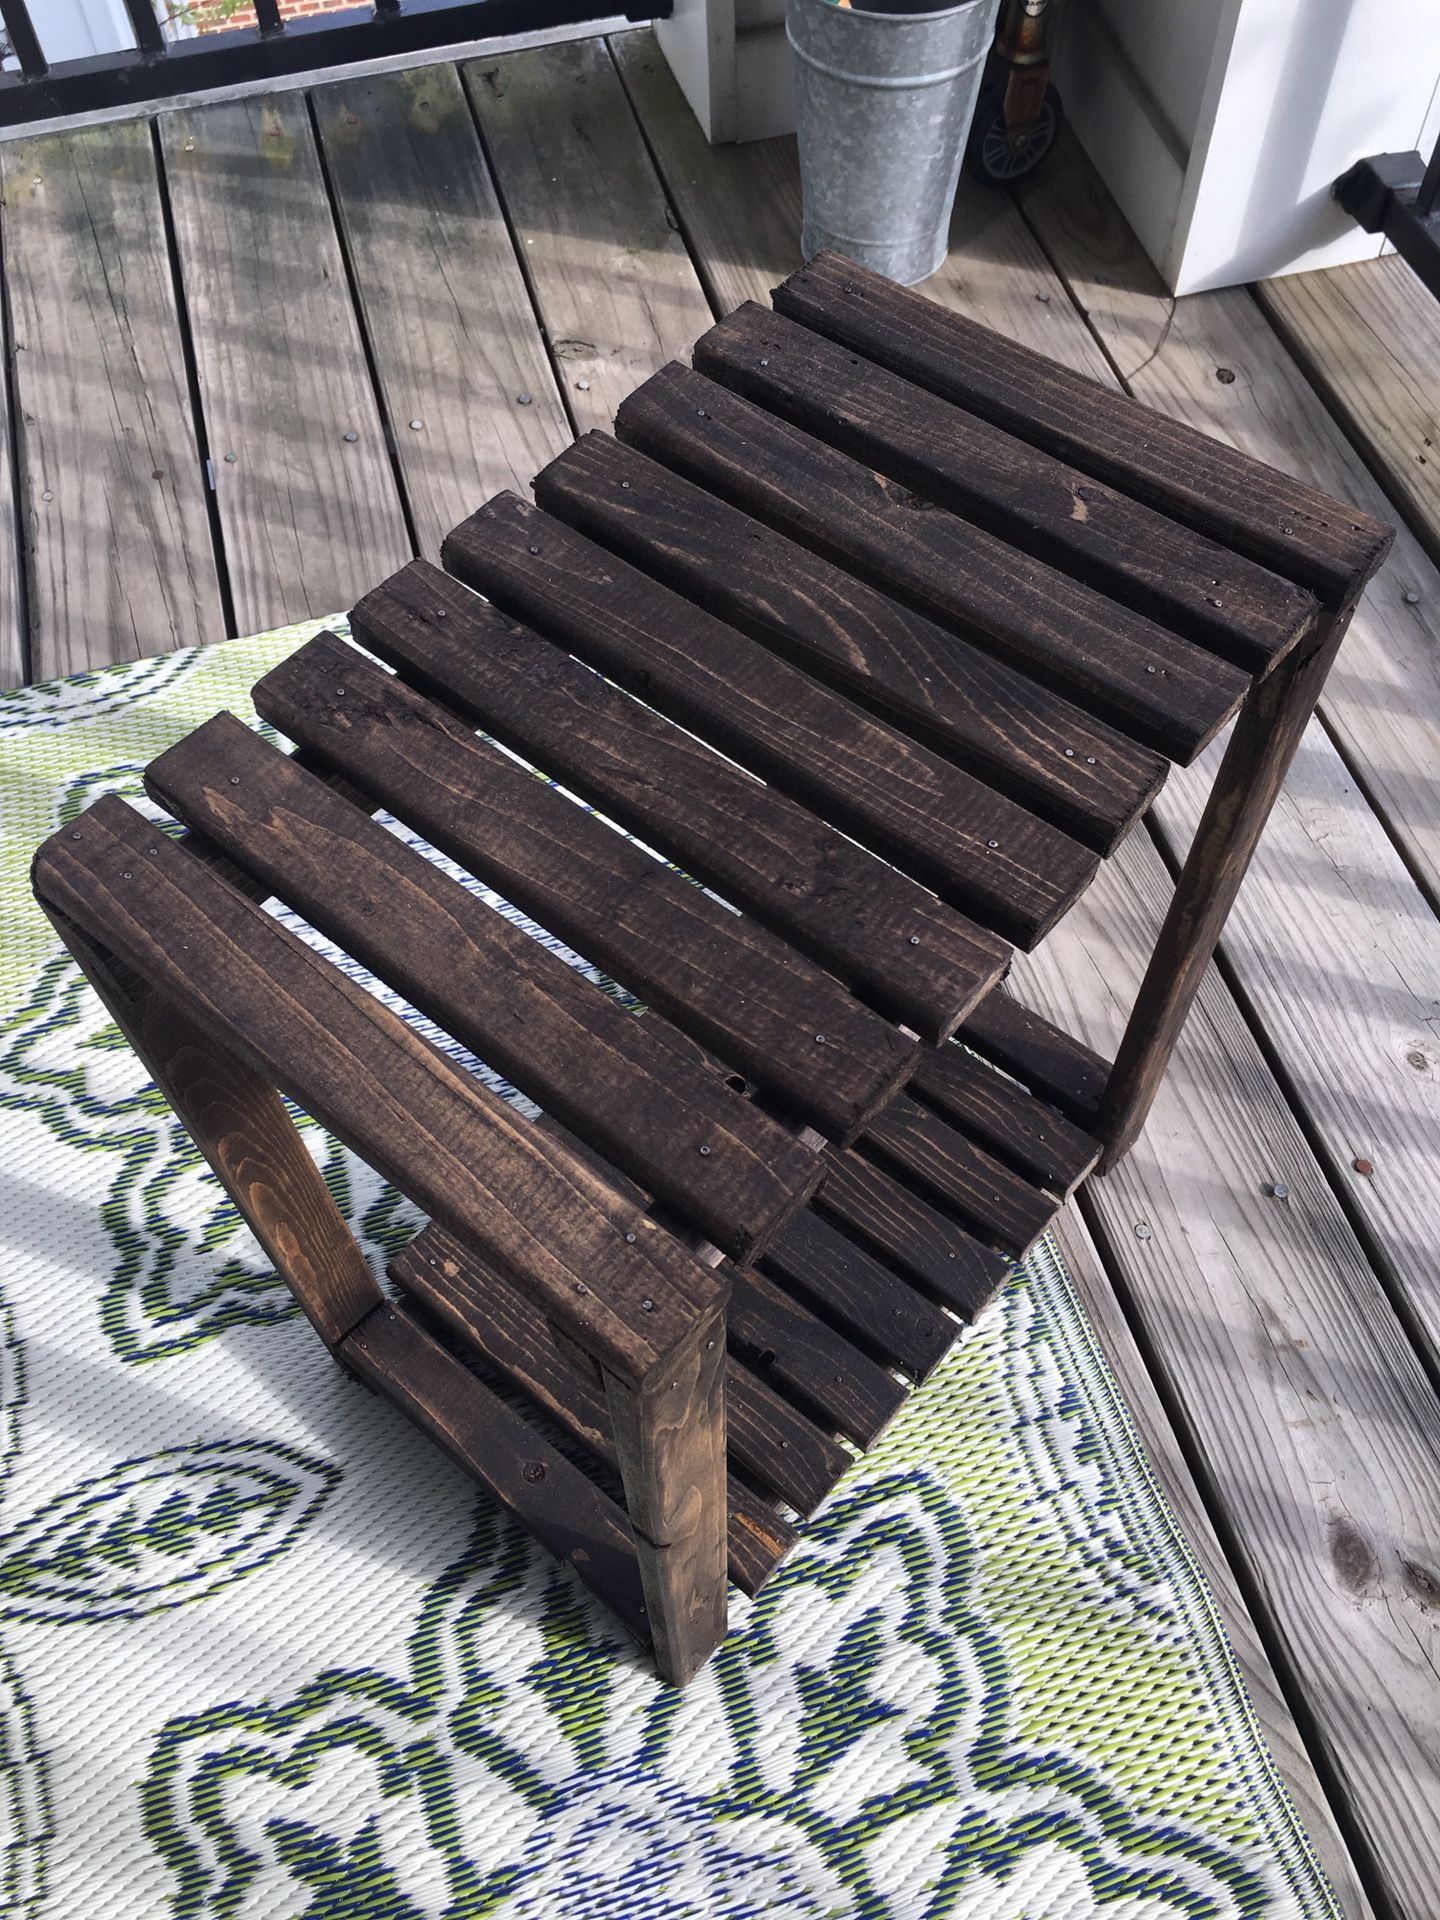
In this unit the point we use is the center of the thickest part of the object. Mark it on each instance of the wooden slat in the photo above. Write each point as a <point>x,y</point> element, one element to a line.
<point>1036,1140</point>
<point>1023,740</point>
<point>448,320</point>
<point>808,1360</point>
<point>850,1288</point>
<point>776,1446</point>
<point>983,854</point>
<point>612,280</point>
<point>923,1244</point>
<point>112,495</point>
<point>1055,1067</point>
<point>770,1441</point>
<point>396,1100</point>
<point>308,517</point>
<point>566,1512</point>
<point>494,1318</point>
<point>633,1089</point>
<point>929,1152</point>
<point>914,958</point>
<point>1039,504</point>
<point>1283,523</point>
<point>722,978</point>
<point>1158,688</point>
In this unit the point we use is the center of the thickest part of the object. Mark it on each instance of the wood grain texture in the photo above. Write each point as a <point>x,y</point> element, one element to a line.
<point>1267,1328</point>
<point>1036,1140</point>
<point>1382,702</point>
<point>566,1512</point>
<point>1368,338</point>
<point>1024,741</point>
<point>807,1360</point>
<point>308,517</point>
<point>770,1440</point>
<point>448,320</point>
<point>1033,501</point>
<point>1262,744</point>
<point>1259,510</point>
<point>927,1247</point>
<point>983,854</point>
<point>853,1290</point>
<point>612,280</point>
<point>419,1119</point>
<point>1156,687</point>
<point>1331,942</point>
<point>1337,957</point>
<point>1052,1063</point>
<point>634,1090</point>
<point>502,1326</point>
<point>993,1202</point>
<point>670,1439</point>
<point>720,976</point>
<point>916,959</point>
<point>1165,1451</point>
<point>738,206</point>
<point>239,1122</point>
<point>116,535</point>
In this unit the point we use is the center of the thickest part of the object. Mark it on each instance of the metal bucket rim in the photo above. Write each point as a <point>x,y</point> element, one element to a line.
<point>868,15</point>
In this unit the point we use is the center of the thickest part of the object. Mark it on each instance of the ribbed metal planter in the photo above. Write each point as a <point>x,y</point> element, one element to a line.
<point>885,102</point>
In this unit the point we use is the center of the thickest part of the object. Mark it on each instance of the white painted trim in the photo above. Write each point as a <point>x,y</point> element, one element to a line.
<point>1294,93</point>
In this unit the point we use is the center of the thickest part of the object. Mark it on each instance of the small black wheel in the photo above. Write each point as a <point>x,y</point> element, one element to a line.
<point>992,157</point>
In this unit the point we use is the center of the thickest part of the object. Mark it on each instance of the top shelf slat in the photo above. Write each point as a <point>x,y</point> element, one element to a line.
<point>1310,538</point>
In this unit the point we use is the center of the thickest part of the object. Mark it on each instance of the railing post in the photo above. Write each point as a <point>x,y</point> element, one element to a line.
<point>24,40</point>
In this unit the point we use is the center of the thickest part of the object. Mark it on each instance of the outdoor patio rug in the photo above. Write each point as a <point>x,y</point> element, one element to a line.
<point>264,1653</point>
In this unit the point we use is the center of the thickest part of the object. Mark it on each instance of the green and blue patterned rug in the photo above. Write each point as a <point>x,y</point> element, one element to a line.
<point>263,1653</point>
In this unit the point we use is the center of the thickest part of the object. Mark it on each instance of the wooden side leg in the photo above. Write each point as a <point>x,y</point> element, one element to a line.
<point>239,1122</point>
<point>1266,737</point>
<point>670,1436</point>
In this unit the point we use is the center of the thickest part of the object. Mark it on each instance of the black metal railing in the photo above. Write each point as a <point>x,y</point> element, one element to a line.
<point>157,68</point>
<point>1398,195</point>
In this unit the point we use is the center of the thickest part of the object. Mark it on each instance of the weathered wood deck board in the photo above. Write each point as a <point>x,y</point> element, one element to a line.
<point>112,491</point>
<point>738,206</point>
<point>1382,702</point>
<point>1298,1388</point>
<point>1191,1507</point>
<point>450,327</point>
<point>308,517</point>
<point>1368,337</point>
<point>612,280</point>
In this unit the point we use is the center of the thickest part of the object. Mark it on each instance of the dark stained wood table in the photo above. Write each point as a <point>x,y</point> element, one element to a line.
<point>876,633</point>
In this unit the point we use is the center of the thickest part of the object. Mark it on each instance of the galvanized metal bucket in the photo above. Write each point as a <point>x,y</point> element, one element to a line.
<point>884,102</point>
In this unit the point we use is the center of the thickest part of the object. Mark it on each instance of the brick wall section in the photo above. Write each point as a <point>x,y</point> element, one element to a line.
<point>212,18</point>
